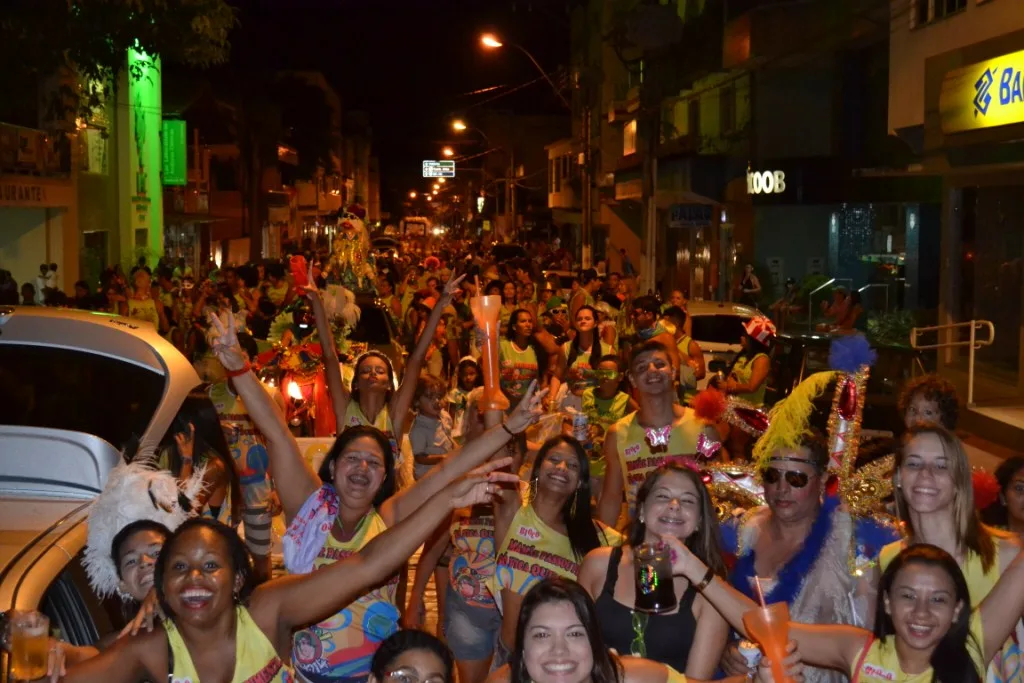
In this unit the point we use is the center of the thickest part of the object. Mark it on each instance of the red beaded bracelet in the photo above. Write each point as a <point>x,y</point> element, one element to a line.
<point>241,371</point>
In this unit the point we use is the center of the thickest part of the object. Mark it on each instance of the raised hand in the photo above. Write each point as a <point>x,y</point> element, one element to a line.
<point>684,562</point>
<point>482,485</point>
<point>147,615</point>
<point>453,284</point>
<point>225,344</point>
<point>529,409</point>
<point>311,291</point>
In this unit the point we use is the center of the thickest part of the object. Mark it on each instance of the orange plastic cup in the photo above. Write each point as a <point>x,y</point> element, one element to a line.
<point>769,626</point>
<point>486,313</point>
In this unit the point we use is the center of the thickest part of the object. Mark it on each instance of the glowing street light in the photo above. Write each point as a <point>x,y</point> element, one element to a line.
<point>459,125</point>
<point>442,181</point>
<point>448,152</point>
<point>436,187</point>
<point>412,195</point>
<point>488,40</point>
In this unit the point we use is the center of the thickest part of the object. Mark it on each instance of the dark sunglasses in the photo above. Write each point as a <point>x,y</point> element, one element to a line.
<point>797,480</point>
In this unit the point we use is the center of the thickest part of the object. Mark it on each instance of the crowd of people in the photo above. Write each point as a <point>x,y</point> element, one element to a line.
<point>531,518</point>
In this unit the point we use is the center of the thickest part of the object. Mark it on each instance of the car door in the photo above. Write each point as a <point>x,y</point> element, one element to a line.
<point>718,336</point>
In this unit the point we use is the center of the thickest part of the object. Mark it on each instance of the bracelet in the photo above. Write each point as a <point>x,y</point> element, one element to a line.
<point>507,430</point>
<point>708,578</point>
<point>239,372</point>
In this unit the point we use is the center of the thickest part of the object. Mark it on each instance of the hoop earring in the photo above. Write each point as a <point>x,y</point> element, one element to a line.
<point>531,494</point>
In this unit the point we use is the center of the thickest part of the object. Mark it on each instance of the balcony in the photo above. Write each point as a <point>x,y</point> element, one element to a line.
<point>27,151</point>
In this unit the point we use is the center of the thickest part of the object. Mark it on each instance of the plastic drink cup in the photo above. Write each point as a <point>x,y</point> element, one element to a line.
<point>769,626</point>
<point>751,653</point>
<point>655,589</point>
<point>29,643</point>
<point>486,312</point>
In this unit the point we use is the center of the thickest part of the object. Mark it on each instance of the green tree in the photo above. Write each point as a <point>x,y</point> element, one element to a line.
<point>39,38</point>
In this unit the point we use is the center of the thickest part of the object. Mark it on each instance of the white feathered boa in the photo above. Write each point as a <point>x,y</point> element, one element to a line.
<point>134,491</point>
<point>340,306</point>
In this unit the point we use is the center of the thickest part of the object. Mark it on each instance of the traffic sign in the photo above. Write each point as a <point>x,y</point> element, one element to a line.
<point>438,169</point>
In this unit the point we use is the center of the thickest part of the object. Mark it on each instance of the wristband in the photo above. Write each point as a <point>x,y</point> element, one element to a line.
<point>509,431</point>
<point>708,578</point>
<point>239,372</point>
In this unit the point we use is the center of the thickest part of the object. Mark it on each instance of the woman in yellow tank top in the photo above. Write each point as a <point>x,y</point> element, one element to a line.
<point>580,357</point>
<point>925,629</point>
<point>546,533</point>
<point>642,441</point>
<point>560,642</point>
<point>935,499</point>
<point>142,305</point>
<point>338,510</point>
<point>218,628</point>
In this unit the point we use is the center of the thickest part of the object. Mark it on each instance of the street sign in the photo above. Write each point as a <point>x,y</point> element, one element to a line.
<point>175,152</point>
<point>689,215</point>
<point>438,169</point>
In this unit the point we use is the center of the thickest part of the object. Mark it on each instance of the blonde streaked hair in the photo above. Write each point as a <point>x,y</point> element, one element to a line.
<point>971,534</point>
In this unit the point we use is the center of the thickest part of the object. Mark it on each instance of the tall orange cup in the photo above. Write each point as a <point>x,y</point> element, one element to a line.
<point>769,626</point>
<point>486,312</point>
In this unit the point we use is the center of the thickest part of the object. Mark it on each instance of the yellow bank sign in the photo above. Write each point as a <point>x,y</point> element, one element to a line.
<point>983,95</point>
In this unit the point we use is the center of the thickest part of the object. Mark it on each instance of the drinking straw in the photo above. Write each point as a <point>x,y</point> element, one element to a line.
<point>760,592</point>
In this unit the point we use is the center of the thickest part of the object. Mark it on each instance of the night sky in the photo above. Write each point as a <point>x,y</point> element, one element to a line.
<point>410,63</point>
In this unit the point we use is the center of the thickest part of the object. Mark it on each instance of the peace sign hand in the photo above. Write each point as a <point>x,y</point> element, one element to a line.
<point>529,409</point>
<point>453,284</point>
<point>225,344</point>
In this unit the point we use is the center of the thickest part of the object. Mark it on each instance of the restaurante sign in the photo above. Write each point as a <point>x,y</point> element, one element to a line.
<point>22,194</point>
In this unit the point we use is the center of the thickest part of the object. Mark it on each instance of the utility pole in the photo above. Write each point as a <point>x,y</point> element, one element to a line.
<point>648,128</point>
<point>587,183</point>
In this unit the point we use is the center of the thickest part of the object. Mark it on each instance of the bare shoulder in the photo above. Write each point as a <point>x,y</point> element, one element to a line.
<point>1008,546</point>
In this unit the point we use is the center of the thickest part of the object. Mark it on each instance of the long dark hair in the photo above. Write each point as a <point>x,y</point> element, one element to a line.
<point>538,349</point>
<point>404,641</point>
<point>704,542</point>
<point>198,411</point>
<point>387,485</point>
<point>354,387</point>
<point>576,513</point>
<point>241,560</point>
<point>607,669</point>
<point>595,348</point>
<point>951,661</point>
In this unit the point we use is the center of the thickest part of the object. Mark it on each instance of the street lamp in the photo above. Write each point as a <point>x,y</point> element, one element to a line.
<point>436,187</point>
<point>442,181</point>
<point>448,152</point>
<point>458,125</point>
<point>489,41</point>
<point>412,195</point>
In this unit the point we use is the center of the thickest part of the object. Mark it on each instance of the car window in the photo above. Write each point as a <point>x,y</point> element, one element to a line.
<point>718,329</point>
<point>374,326</point>
<point>816,360</point>
<point>74,610</point>
<point>47,386</point>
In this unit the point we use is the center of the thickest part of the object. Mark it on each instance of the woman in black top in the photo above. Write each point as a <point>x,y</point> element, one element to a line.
<point>671,501</point>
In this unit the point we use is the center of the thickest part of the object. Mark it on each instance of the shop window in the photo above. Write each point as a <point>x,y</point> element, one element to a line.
<point>629,138</point>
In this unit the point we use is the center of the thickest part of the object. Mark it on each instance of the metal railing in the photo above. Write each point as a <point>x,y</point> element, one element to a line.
<point>973,343</point>
<point>875,285</point>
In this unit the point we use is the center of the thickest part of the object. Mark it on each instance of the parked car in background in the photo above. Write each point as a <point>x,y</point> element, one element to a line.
<point>717,327</point>
<point>795,357</point>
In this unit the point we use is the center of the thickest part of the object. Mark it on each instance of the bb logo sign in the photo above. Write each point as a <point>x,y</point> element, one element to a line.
<point>766,182</point>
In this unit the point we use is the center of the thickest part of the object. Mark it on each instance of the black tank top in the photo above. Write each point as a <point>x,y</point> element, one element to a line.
<point>667,637</point>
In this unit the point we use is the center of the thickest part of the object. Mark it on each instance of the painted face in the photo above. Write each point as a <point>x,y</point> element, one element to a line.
<point>585,320</point>
<point>926,475</point>
<point>652,372</point>
<point>372,374</point>
<point>556,647</point>
<point>923,605</point>
<point>138,561</point>
<point>920,410</point>
<point>793,489</point>
<point>672,507</point>
<point>358,471</point>
<point>416,666</point>
<point>200,581</point>
<point>560,471</point>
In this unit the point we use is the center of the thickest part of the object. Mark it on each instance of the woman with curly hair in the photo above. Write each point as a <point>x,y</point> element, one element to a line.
<point>929,399</point>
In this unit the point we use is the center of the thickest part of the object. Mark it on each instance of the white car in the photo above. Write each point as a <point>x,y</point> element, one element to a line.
<point>718,328</point>
<point>78,381</point>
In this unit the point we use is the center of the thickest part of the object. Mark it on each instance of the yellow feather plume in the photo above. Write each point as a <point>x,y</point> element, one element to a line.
<point>789,418</point>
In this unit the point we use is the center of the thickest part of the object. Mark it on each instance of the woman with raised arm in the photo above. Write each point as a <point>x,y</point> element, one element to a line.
<point>218,628</point>
<point>925,628</point>
<point>372,400</point>
<point>336,512</point>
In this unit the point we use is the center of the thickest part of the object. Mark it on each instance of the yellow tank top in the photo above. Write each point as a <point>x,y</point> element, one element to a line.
<point>533,551</point>
<point>516,369</point>
<point>354,417</point>
<point>278,294</point>
<point>978,582</point>
<point>255,656</point>
<point>342,646</point>
<point>145,310</point>
<point>879,661</point>
<point>674,676</point>
<point>743,371</point>
<point>580,375</point>
<point>635,457</point>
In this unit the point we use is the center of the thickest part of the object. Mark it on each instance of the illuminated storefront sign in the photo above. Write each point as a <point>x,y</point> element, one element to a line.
<point>983,95</point>
<point>175,153</point>
<point>766,182</point>
<point>438,169</point>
